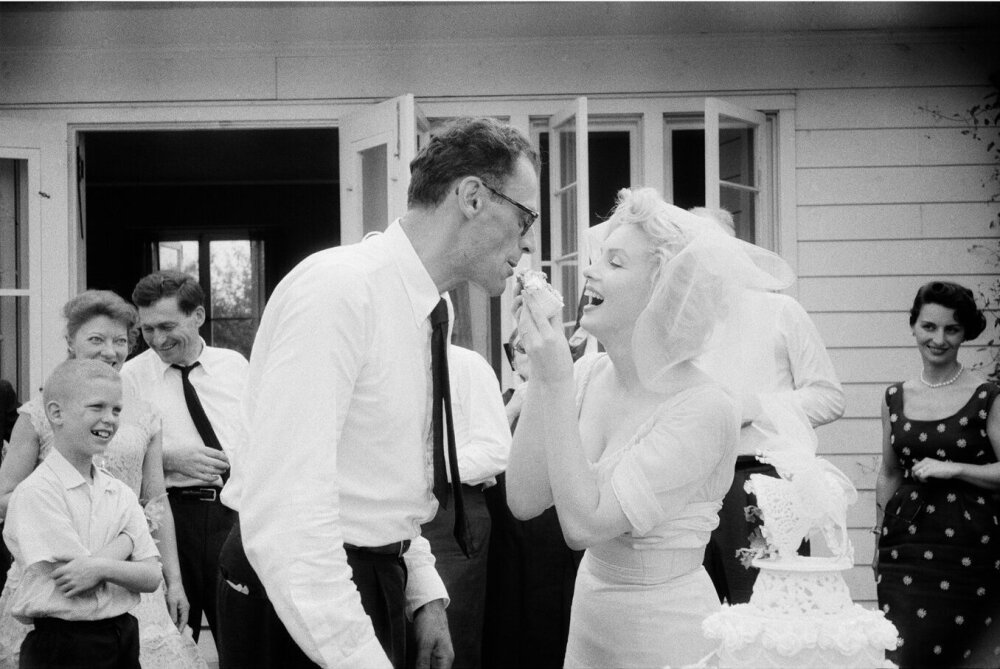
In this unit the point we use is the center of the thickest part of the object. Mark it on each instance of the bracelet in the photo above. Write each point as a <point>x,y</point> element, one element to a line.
<point>876,530</point>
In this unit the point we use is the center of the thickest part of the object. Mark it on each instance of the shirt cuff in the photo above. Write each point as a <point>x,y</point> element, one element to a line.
<point>424,585</point>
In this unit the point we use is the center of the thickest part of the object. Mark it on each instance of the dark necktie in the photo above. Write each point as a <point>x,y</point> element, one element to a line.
<point>442,405</point>
<point>197,412</point>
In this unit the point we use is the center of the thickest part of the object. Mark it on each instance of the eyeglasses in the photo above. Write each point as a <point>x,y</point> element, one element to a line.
<point>512,350</point>
<point>530,215</point>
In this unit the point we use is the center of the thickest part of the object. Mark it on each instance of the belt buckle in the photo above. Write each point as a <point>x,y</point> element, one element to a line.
<point>208,494</point>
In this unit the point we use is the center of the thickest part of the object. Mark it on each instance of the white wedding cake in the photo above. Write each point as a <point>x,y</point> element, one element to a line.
<point>801,613</point>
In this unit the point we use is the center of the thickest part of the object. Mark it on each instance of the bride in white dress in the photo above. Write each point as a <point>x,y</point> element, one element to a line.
<point>636,446</point>
<point>98,327</point>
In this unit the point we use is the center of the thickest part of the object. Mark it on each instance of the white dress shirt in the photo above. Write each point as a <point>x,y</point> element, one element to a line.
<point>777,357</point>
<point>482,435</point>
<point>219,381</point>
<point>337,408</point>
<point>55,516</point>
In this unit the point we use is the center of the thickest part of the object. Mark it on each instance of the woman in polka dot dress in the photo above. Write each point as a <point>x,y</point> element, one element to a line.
<point>938,558</point>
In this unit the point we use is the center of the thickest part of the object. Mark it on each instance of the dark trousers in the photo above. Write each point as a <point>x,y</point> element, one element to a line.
<point>112,643</point>
<point>202,526</point>
<point>733,582</point>
<point>251,635</point>
<point>531,574</point>
<point>464,577</point>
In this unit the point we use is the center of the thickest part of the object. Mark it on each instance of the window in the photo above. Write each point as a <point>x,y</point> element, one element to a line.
<point>229,270</point>
<point>14,284</point>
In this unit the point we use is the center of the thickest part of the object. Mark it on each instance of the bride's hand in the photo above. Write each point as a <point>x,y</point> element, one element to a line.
<point>544,340</point>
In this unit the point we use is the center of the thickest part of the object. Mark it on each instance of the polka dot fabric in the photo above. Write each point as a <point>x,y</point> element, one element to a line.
<point>939,553</point>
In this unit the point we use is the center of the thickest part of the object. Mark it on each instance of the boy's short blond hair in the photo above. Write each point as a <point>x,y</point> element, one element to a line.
<point>72,374</point>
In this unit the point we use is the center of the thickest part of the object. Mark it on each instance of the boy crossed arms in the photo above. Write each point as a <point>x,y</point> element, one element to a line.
<point>80,533</point>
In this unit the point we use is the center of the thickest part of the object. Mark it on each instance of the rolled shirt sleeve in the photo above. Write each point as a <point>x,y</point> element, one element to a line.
<point>481,427</point>
<point>817,391</point>
<point>423,583</point>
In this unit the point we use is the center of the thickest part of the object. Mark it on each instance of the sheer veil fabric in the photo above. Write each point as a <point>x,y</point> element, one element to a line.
<point>691,306</point>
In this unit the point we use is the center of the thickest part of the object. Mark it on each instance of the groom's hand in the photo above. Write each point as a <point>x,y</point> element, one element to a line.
<point>430,625</point>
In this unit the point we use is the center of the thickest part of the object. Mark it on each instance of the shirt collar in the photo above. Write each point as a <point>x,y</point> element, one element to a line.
<point>162,367</point>
<point>68,475</point>
<point>420,289</point>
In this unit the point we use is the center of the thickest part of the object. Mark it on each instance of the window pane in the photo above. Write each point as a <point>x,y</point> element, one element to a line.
<point>231,279</point>
<point>567,156</point>
<point>568,221</point>
<point>571,293</point>
<point>13,223</point>
<point>736,157</point>
<point>236,334</point>
<point>14,344</point>
<point>231,300</point>
<point>179,256</point>
<point>374,188</point>
<point>740,203</point>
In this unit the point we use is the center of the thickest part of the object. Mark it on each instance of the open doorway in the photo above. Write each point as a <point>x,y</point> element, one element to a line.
<point>236,208</point>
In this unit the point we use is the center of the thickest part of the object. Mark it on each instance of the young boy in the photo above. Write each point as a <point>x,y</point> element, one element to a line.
<point>80,533</point>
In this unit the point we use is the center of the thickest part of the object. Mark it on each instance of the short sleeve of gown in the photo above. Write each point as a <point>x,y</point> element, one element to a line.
<point>34,409</point>
<point>677,453</point>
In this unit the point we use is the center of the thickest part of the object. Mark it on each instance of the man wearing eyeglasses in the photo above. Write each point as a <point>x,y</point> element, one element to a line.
<point>326,562</point>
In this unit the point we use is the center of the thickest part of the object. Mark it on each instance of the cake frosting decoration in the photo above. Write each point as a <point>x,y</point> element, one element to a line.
<point>800,613</point>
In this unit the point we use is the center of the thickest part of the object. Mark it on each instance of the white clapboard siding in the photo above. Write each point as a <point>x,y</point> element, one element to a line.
<point>851,436</point>
<point>861,468</point>
<point>880,328</point>
<point>166,54</point>
<point>876,293</point>
<point>896,221</point>
<point>883,147</point>
<point>892,257</point>
<point>882,185</point>
<point>872,328</point>
<point>899,106</point>
<point>888,365</point>
<point>864,400</point>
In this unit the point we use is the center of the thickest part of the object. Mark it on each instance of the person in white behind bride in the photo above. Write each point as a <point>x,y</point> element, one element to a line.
<point>636,446</point>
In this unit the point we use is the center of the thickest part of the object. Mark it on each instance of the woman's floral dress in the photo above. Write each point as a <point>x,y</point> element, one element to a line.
<point>939,553</point>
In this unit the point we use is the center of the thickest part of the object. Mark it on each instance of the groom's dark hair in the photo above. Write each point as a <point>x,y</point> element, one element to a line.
<point>481,147</point>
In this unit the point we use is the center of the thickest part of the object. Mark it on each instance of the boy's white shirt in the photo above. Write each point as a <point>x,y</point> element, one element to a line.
<point>54,516</point>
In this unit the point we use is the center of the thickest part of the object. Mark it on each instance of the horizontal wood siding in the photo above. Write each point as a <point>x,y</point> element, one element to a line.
<point>890,194</point>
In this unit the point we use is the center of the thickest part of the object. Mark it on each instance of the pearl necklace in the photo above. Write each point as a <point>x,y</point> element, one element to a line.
<point>943,383</point>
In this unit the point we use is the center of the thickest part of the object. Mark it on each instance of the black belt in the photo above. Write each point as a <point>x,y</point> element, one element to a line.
<point>195,493</point>
<point>397,549</point>
<point>56,624</point>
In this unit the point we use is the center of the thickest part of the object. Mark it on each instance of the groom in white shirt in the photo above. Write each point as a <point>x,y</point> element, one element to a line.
<point>337,474</point>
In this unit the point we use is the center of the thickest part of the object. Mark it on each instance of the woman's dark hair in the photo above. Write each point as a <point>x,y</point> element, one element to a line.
<point>92,303</point>
<point>951,296</point>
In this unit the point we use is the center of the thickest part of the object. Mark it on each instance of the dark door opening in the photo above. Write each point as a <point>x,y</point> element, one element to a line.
<point>237,208</point>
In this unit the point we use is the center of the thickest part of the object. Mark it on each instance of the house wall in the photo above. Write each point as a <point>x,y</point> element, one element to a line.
<point>887,194</point>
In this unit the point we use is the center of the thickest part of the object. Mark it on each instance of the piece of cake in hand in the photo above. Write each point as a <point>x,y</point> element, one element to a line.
<point>534,282</point>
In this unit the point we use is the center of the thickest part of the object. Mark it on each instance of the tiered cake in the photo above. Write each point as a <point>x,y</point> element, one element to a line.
<point>801,613</point>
